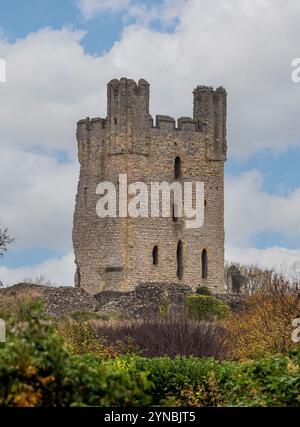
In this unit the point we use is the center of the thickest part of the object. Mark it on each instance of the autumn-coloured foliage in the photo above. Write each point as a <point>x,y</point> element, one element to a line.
<point>264,326</point>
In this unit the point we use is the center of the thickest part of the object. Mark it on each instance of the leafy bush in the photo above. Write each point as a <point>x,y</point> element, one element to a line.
<point>264,326</point>
<point>184,381</point>
<point>81,337</point>
<point>8,306</point>
<point>11,304</point>
<point>203,290</point>
<point>204,307</point>
<point>274,381</point>
<point>192,381</point>
<point>166,337</point>
<point>37,370</point>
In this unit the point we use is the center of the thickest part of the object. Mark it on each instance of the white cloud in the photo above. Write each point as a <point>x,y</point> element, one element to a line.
<point>60,271</point>
<point>90,8</point>
<point>164,13</point>
<point>250,211</point>
<point>51,83</point>
<point>143,13</point>
<point>37,199</point>
<point>282,260</point>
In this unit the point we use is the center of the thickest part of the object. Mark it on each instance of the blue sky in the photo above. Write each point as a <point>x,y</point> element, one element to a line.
<point>189,42</point>
<point>36,14</point>
<point>101,32</point>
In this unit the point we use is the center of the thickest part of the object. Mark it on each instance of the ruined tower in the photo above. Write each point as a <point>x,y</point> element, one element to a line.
<point>119,253</point>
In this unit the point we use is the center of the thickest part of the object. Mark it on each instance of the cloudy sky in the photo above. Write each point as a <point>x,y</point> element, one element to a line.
<point>60,55</point>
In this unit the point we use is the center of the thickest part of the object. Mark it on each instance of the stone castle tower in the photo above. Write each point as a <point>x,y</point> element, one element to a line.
<point>119,253</point>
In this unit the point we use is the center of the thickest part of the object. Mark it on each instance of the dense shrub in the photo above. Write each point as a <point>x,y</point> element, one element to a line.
<point>37,370</point>
<point>10,303</point>
<point>192,381</point>
<point>203,290</point>
<point>81,337</point>
<point>273,381</point>
<point>185,381</point>
<point>205,307</point>
<point>169,336</point>
<point>264,326</point>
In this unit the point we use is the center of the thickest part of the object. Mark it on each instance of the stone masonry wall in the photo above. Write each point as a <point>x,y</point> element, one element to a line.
<point>145,301</point>
<point>115,254</point>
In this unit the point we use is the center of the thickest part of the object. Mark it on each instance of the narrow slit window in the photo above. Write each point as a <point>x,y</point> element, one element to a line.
<point>177,168</point>
<point>204,264</point>
<point>179,255</point>
<point>155,255</point>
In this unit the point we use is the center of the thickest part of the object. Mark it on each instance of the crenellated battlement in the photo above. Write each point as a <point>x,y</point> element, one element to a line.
<point>130,86</point>
<point>91,123</point>
<point>128,123</point>
<point>161,122</point>
<point>88,129</point>
<point>167,123</point>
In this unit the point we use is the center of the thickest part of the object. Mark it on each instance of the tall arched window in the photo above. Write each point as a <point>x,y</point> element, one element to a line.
<point>155,255</point>
<point>179,256</point>
<point>204,264</point>
<point>177,168</point>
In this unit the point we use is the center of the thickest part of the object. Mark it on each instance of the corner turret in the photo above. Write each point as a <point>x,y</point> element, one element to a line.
<point>210,109</point>
<point>128,116</point>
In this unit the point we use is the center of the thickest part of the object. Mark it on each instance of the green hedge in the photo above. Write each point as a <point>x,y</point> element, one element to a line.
<point>37,370</point>
<point>205,382</point>
<point>205,307</point>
